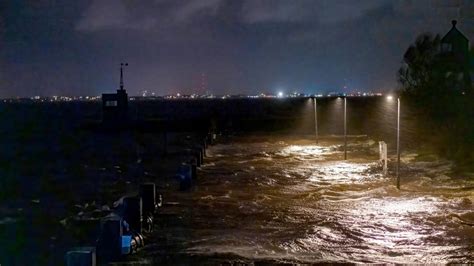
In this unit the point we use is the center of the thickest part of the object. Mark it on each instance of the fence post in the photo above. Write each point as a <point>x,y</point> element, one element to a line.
<point>383,156</point>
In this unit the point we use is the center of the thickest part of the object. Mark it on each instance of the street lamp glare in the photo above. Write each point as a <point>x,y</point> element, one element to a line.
<point>389,97</point>
<point>280,94</point>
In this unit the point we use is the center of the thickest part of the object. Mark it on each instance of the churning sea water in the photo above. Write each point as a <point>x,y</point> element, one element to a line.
<point>289,200</point>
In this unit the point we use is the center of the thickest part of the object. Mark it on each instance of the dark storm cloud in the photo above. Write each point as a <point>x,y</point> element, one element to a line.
<point>143,15</point>
<point>325,11</point>
<point>49,47</point>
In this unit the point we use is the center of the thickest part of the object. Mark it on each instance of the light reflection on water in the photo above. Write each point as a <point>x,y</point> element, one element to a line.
<point>301,203</point>
<point>312,152</point>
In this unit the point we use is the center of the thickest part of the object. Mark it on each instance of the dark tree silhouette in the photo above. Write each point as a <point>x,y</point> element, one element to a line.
<point>440,89</point>
<point>428,74</point>
<point>416,75</point>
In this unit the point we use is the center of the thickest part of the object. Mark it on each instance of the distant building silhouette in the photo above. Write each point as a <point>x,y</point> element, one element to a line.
<point>115,105</point>
<point>456,44</point>
<point>455,48</point>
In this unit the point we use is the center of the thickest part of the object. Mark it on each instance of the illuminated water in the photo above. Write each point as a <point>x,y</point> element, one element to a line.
<point>292,201</point>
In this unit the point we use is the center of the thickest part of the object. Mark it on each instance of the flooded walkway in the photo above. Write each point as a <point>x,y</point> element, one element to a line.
<point>288,200</point>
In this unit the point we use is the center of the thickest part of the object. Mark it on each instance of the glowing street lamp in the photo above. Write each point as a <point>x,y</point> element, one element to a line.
<point>390,98</point>
<point>280,94</point>
<point>315,119</point>
<point>345,128</point>
<point>398,142</point>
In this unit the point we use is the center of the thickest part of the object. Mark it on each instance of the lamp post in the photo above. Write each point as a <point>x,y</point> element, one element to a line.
<point>398,139</point>
<point>345,128</point>
<point>315,120</point>
<point>398,142</point>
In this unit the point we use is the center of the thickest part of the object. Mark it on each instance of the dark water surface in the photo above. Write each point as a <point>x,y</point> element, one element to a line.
<point>257,199</point>
<point>288,200</point>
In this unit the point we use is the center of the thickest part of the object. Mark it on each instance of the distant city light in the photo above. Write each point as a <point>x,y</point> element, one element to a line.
<point>147,95</point>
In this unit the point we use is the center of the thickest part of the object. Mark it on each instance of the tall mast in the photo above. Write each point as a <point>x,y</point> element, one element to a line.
<point>121,74</point>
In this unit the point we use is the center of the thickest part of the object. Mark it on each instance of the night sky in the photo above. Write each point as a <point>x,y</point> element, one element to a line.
<point>50,47</point>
